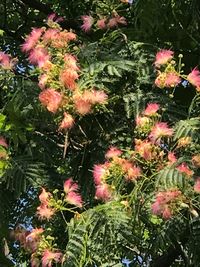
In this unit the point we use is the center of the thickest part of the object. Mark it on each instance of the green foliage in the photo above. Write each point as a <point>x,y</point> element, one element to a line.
<point>105,227</point>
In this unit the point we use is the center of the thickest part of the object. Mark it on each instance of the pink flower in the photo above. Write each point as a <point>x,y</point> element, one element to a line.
<point>74,198</point>
<point>196,160</point>
<point>53,18</point>
<point>163,56</point>
<point>68,78</point>
<point>50,35</point>
<point>172,79</point>
<point>194,78</point>
<point>49,256</point>
<point>83,106</point>
<point>113,152</point>
<point>156,208</point>
<point>70,186</point>
<point>20,234</point>
<point>51,99</point>
<point>113,22</point>
<point>144,149</point>
<point>39,55</point>
<point>44,197</point>
<point>133,173</point>
<point>3,155</point>
<point>99,171</point>
<point>6,62</point>
<point>70,36</point>
<point>166,213</point>
<point>160,80</point>
<point>160,129</point>
<point>164,203</point>
<point>185,169</point>
<point>101,24</point>
<point>87,23</point>
<point>67,122</point>
<point>3,142</point>
<point>171,157</point>
<point>103,192</point>
<point>142,121</point>
<point>43,81</point>
<point>197,185</point>
<point>35,234</point>
<point>98,97</point>
<point>44,212</point>
<point>121,20</point>
<point>35,262</point>
<point>151,109</point>
<point>70,62</point>
<point>32,39</point>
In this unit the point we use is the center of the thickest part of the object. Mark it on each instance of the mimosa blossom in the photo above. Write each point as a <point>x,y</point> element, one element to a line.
<point>151,109</point>
<point>99,171</point>
<point>44,197</point>
<point>113,152</point>
<point>172,79</point>
<point>67,122</point>
<point>194,78</point>
<point>145,149</point>
<point>32,39</point>
<point>161,129</point>
<point>113,22</point>
<point>71,62</point>
<point>171,157</point>
<point>3,142</point>
<point>6,62</point>
<point>74,198</point>
<point>48,257</point>
<point>44,212</point>
<point>103,192</point>
<point>163,56</point>
<point>43,81</point>
<point>185,169</point>
<point>87,23</point>
<point>35,234</point>
<point>142,121</point>
<point>165,203</point>
<point>51,99</point>
<point>101,24</point>
<point>70,186</point>
<point>197,185</point>
<point>196,160</point>
<point>38,56</point>
<point>68,78</point>
<point>160,80</point>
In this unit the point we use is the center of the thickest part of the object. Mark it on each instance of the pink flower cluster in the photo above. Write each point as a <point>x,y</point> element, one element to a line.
<point>166,202</point>
<point>170,77</point>
<point>3,148</point>
<point>129,170</point>
<point>72,197</point>
<point>103,23</point>
<point>29,240</point>
<point>155,130</point>
<point>45,211</point>
<point>49,50</point>
<point>6,62</point>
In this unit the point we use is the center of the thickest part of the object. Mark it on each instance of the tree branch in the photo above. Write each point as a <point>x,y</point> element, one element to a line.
<point>46,9</point>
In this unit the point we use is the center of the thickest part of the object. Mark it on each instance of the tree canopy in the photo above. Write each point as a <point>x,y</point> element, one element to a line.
<point>99,133</point>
